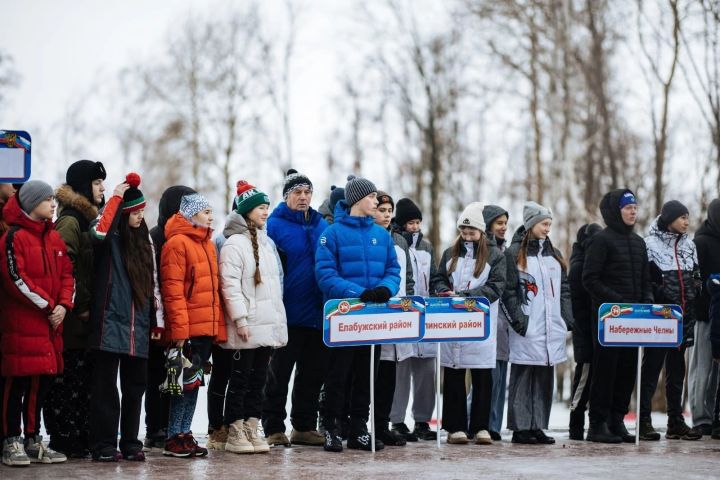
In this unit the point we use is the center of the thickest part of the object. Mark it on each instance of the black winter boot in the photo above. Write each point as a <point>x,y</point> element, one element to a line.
<point>600,433</point>
<point>647,432</point>
<point>678,429</point>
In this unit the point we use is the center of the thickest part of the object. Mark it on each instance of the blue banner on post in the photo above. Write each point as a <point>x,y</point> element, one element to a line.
<point>14,156</point>
<point>640,325</point>
<point>457,319</point>
<point>351,322</point>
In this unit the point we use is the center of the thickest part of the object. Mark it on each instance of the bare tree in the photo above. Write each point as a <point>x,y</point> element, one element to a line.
<point>664,78</point>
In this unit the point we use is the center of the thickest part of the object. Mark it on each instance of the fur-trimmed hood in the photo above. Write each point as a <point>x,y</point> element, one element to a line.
<point>68,198</point>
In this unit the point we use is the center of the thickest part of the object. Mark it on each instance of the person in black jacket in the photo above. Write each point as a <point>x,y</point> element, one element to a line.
<point>616,270</point>
<point>582,337</point>
<point>675,277</point>
<point>156,405</point>
<point>703,373</point>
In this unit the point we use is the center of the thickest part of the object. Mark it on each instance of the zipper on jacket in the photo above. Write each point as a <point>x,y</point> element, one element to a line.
<point>212,281</point>
<point>132,329</point>
<point>680,278</point>
<point>192,283</point>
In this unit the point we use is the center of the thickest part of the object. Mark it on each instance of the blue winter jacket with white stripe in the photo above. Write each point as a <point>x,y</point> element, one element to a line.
<point>296,237</point>
<point>355,254</point>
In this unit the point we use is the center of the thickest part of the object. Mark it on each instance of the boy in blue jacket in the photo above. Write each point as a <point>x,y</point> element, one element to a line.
<point>355,258</point>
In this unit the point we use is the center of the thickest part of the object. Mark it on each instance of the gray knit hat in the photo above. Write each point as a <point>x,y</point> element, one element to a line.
<point>33,193</point>
<point>534,213</point>
<point>357,188</point>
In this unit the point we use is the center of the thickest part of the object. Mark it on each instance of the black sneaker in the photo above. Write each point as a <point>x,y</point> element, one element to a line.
<point>678,429</point>
<point>403,430</point>
<point>390,438</point>
<point>333,440</point>
<point>423,432</point>
<point>363,441</point>
<point>525,437</point>
<point>600,433</point>
<point>647,432</point>
<point>496,437</point>
<point>620,430</point>
<point>576,433</point>
<point>134,455</point>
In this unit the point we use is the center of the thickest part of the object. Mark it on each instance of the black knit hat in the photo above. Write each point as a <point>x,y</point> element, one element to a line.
<point>357,188</point>
<point>406,210</point>
<point>383,197</point>
<point>82,173</point>
<point>670,212</point>
<point>294,180</point>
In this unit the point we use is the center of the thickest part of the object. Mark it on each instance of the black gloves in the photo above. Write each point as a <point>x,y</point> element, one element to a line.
<point>375,295</point>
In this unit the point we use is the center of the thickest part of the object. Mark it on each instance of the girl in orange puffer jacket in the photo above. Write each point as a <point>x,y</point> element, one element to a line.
<point>193,308</point>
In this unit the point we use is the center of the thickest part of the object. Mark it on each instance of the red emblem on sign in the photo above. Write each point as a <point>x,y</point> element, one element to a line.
<point>615,310</point>
<point>344,307</point>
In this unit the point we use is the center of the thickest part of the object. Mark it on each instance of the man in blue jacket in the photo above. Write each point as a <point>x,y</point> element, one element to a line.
<point>295,228</point>
<point>355,258</point>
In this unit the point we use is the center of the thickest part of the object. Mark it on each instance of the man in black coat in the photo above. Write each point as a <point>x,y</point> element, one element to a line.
<point>616,270</point>
<point>582,336</point>
<point>702,371</point>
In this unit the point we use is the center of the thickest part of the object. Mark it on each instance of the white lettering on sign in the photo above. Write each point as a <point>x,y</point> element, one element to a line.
<point>454,325</point>
<point>374,327</point>
<point>640,330</point>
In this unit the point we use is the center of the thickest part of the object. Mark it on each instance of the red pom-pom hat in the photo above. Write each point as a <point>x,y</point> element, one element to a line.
<point>133,199</point>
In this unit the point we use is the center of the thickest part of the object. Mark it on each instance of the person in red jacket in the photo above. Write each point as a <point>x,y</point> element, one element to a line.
<point>38,289</point>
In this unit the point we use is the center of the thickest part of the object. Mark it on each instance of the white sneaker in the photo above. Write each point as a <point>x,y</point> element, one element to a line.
<point>483,438</point>
<point>39,453</point>
<point>14,453</point>
<point>237,442</point>
<point>457,438</point>
<point>251,432</point>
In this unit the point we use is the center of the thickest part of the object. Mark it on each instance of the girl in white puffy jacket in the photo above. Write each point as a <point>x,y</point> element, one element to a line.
<point>537,347</point>
<point>472,267</point>
<point>251,280</point>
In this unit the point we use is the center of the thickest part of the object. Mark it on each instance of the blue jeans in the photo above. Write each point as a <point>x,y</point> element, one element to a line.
<point>499,387</point>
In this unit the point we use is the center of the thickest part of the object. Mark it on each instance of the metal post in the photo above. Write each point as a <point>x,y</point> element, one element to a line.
<point>637,396</point>
<point>437,393</point>
<point>372,396</point>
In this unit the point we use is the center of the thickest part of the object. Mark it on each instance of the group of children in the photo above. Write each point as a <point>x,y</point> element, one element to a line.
<point>95,293</point>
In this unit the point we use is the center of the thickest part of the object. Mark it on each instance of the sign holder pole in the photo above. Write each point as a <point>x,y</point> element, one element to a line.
<point>372,396</point>
<point>637,396</point>
<point>437,392</point>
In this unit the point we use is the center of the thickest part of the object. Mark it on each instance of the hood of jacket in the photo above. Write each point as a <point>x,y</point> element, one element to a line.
<point>68,198</point>
<point>170,203</point>
<point>179,225</point>
<point>610,210</point>
<point>707,229</point>
<point>15,216</point>
<point>342,215</point>
<point>237,225</point>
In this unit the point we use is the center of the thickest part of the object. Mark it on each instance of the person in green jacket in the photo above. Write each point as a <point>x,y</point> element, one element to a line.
<point>68,401</point>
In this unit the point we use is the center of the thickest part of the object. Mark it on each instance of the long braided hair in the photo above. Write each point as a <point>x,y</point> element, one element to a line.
<point>252,229</point>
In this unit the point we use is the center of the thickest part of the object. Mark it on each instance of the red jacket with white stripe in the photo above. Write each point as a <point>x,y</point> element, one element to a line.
<point>36,275</point>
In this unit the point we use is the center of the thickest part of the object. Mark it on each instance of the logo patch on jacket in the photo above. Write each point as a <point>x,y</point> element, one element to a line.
<point>528,286</point>
<point>323,240</point>
<point>374,241</point>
